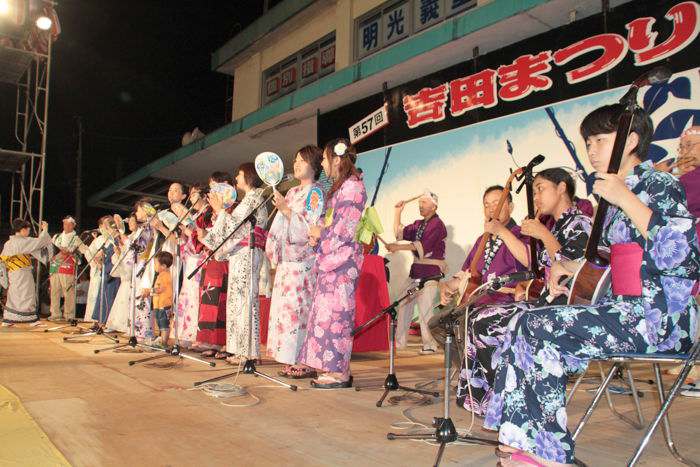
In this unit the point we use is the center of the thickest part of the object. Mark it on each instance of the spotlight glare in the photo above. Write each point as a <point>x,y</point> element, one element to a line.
<point>4,7</point>
<point>43,22</point>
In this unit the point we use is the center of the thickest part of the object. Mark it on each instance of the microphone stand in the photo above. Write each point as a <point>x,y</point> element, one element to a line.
<point>132,248</point>
<point>98,329</point>
<point>175,351</point>
<point>445,431</point>
<point>391,383</point>
<point>249,365</point>
<point>160,248</point>
<point>235,229</point>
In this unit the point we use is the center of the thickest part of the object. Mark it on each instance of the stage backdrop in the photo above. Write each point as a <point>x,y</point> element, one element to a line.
<point>451,131</point>
<point>458,164</point>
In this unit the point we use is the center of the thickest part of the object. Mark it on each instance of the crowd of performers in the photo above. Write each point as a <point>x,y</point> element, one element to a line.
<point>517,353</point>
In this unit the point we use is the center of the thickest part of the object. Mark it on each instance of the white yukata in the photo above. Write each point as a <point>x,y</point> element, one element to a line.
<point>21,304</point>
<point>242,339</point>
<point>95,274</point>
<point>118,319</point>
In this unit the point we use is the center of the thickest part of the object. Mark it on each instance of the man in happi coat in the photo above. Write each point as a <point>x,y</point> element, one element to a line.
<point>497,260</point>
<point>427,243</point>
<point>62,271</point>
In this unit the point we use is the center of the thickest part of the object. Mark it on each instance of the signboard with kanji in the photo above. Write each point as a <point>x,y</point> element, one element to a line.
<point>303,67</point>
<point>570,61</point>
<point>272,87</point>
<point>427,13</point>
<point>327,58</point>
<point>288,77</point>
<point>369,125</point>
<point>396,22</point>
<point>369,36</point>
<point>310,64</point>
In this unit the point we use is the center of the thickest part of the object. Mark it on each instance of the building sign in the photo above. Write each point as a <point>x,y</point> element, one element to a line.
<point>300,69</point>
<point>272,86</point>
<point>327,53</point>
<point>427,13</point>
<point>396,20</point>
<point>536,72</point>
<point>369,125</point>
<point>527,74</point>
<point>309,66</point>
<point>369,37</point>
<point>288,76</point>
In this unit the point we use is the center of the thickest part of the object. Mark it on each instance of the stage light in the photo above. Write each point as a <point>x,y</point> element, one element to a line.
<point>43,22</point>
<point>4,7</point>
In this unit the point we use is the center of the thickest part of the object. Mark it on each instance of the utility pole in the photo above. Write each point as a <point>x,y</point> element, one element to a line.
<point>79,172</point>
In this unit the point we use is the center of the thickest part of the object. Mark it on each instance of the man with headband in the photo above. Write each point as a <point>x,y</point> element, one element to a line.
<point>427,243</point>
<point>62,271</point>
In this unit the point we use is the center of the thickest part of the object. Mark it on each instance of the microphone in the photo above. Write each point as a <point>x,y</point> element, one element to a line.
<point>656,75</point>
<point>500,281</point>
<point>436,277</point>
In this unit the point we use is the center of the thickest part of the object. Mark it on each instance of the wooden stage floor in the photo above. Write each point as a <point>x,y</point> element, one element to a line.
<point>101,412</point>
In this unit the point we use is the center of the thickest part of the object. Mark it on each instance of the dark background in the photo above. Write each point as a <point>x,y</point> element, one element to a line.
<point>139,74</point>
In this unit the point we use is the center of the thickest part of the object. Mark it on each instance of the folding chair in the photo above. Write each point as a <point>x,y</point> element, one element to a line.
<point>618,360</point>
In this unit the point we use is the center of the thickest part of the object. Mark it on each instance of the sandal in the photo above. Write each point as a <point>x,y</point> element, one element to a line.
<point>209,353</point>
<point>222,355</point>
<point>284,372</point>
<point>501,454</point>
<point>301,373</point>
<point>331,384</point>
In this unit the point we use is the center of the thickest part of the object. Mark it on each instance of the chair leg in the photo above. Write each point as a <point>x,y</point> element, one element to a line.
<point>665,403</point>
<point>596,399</point>
<point>636,424</point>
<point>641,423</point>
<point>574,388</point>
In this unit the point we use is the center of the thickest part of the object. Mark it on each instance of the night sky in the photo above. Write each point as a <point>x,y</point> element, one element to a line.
<point>139,74</point>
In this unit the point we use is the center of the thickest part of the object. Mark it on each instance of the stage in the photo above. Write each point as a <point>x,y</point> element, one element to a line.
<point>98,411</point>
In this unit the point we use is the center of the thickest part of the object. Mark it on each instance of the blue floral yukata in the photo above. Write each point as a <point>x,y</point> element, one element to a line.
<point>487,326</point>
<point>546,344</point>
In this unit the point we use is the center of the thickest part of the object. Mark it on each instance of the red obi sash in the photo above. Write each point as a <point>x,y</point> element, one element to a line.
<point>625,267</point>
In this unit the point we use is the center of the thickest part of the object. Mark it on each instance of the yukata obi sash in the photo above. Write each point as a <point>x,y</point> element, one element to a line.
<point>625,269</point>
<point>16,262</point>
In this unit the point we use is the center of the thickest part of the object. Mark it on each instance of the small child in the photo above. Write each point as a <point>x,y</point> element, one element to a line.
<point>162,296</point>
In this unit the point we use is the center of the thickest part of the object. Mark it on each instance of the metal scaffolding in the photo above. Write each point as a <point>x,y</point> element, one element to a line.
<point>29,72</point>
